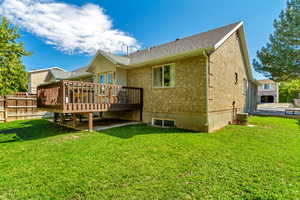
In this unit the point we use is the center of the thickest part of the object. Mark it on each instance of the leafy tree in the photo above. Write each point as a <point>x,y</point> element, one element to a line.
<point>289,91</point>
<point>280,58</point>
<point>13,77</point>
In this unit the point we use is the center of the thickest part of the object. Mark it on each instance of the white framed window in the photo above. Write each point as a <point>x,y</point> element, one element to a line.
<point>107,78</point>
<point>267,86</point>
<point>166,123</point>
<point>163,76</point>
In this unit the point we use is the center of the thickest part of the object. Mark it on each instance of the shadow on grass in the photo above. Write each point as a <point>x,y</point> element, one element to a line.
<point>298,123</point>
<point>29,130</point>
<point>130,131</point>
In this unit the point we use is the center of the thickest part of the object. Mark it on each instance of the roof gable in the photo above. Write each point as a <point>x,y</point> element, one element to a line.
<point>108,58</point>
<point>205,41</point>
<point>208,40</point>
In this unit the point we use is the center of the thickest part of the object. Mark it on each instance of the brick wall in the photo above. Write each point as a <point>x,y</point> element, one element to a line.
<point>223,91</point>
<point>35,79</point>
<point>184,103</point>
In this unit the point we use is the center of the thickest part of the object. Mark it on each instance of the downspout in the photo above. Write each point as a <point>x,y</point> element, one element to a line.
<point>207,74</point>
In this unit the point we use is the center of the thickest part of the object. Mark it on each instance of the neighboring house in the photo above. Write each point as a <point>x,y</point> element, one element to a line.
<point>268,91</point>
<point>80,74</point>
<point>37,77</point>
<point>198,82</point>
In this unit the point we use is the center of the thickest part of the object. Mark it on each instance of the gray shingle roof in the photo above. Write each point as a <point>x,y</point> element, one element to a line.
<point>124,60</point>
<point>203,40</point>
<point>199,41</point>
<point>80,72</point>
<point>61,75</point>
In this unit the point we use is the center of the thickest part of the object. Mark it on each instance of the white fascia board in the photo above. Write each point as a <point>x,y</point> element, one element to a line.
<point>99,52</point>
<point>239,27</point>
<point>245,52</point>
<point>228,35</point>
<point>46,69</point>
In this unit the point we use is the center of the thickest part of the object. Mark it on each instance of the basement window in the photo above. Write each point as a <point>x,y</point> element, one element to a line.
<point>166,123</point>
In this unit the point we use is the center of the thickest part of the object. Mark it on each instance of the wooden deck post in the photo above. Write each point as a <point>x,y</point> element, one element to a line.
<point>74,119</point>
<point>55,117</point>
<point>62,118</point>
<point>90,121</point>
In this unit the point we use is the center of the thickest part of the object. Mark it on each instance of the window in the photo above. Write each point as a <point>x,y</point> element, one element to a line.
<point>164,76</point>
<point>102,78</point>
<point>110,78</point>
<point>163,123</point>
<point>236,80</point>
<point>267,86</point>
<point>107,78</point>
<point>169,123</point>
<point>157,122</point>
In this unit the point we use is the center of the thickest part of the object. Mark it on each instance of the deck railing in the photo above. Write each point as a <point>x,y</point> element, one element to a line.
<point>76,96</point>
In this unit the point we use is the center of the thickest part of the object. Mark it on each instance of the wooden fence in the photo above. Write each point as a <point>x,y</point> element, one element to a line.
<point>19,106</point>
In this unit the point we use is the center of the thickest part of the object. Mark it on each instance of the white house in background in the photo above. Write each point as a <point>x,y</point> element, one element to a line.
<point>37,77</point>
<point>268,91</point>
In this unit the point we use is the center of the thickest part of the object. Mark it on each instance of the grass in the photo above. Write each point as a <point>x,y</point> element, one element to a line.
<point>39,160</point>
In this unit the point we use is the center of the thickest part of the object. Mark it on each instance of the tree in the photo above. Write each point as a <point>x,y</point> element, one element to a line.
<point>280,58</point>
<point>13,77</point>
<point>289,91</point>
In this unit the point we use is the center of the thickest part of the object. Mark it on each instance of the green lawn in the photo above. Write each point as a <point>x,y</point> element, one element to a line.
<point>140,162</point>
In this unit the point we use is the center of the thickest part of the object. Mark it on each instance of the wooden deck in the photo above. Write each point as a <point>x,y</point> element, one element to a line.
<point>84,97</point>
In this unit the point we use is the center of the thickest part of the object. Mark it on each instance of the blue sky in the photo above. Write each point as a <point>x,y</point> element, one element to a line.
<point>134,22</point>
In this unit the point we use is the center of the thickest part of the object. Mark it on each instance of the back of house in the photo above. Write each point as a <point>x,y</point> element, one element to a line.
<point>198,82</point>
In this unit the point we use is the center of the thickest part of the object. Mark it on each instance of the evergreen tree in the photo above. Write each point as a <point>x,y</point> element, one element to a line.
<point>280,58</point>
<point>13,77</point>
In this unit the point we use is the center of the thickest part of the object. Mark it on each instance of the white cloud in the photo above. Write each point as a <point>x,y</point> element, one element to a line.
<point>69,28</point>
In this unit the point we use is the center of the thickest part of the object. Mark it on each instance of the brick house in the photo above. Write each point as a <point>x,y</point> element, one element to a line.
<point>37,77</point>
<point>198,82</point>
<point>79,74</point>
<point>268,91</point>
